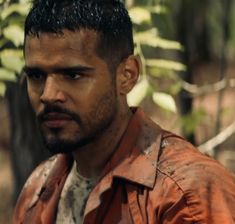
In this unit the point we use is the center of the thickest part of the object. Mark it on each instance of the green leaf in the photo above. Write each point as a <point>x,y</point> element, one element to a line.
<point>6,75</point>
<point>159,72</point>
<point>139,15</point>
<point>151,38</point>
<point>24,1</point>
<point>168,64</point>
<point>2,89</point>
<point>165,101</point>
<point>15,19</point>
<point>139,92</point>
<point>3,41</point>
<point>175,88</point>
<point>158,9</point>
<point>21,9</point>
<point>191,121</point>
<point>15,34</point>
<point>12,60</point>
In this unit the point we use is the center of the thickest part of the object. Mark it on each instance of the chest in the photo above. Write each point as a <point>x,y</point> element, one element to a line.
<point>122,204</point>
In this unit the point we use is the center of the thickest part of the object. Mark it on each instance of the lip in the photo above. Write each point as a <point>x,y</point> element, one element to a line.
<point>56,120</point>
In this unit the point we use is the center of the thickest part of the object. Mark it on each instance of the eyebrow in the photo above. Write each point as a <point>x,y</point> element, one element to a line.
<point>63,70</point>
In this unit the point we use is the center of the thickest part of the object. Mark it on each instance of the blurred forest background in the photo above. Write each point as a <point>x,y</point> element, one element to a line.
<point>187,83</point>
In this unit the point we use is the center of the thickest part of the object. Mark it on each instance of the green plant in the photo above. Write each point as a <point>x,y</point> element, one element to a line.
<point>155,68</point>
<point>11,40</point>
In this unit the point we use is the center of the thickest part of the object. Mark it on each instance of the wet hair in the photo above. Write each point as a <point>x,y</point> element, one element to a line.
<point>109,18</point>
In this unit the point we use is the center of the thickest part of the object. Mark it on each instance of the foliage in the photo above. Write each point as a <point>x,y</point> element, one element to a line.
<point>11,40</point>
<point>147,40</point>
<point>206,30</point>
<point>191,121</point>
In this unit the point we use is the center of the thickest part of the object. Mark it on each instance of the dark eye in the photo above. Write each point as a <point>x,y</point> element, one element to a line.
<point>73,76</point>
<point>35,76</point>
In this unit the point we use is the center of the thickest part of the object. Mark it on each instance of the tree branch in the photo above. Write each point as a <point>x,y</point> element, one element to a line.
<point>208,147</point>
<point>202,90</point>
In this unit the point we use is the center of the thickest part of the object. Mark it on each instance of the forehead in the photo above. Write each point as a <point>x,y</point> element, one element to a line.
<point>69,45</point>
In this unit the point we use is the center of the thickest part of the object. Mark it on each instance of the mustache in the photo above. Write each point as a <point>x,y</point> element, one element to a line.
<point>57,109</point>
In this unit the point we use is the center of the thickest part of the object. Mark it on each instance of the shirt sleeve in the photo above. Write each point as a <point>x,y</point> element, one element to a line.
<point>204,194</point>
<point>192,187</point>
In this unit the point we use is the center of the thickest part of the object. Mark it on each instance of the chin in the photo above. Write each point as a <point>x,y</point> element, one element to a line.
<point>66,146</point>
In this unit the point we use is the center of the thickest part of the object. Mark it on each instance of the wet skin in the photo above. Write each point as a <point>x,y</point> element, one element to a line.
<point>81,106</point>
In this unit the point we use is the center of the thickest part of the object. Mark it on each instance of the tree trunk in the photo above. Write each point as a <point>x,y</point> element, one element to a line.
<point>192,34</point>
<point>26,148</point>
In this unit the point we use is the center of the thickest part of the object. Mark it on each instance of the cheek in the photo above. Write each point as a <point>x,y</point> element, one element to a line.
<point>34,98</point>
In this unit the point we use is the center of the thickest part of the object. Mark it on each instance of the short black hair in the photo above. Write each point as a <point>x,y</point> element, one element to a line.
<point>109,18</point>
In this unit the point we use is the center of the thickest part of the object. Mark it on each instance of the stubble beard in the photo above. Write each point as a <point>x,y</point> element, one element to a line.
<point>93,125</point>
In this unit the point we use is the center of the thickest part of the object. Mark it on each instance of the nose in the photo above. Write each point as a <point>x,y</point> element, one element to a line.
<point>52,92</point>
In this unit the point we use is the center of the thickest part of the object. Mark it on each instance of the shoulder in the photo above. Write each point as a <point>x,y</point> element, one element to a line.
<point>180,160</point>
<point>33,186</point>
<point>40,174</point>
<point>198,179</point>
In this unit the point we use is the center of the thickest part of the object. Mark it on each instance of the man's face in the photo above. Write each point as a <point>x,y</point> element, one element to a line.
<point>70,88</point>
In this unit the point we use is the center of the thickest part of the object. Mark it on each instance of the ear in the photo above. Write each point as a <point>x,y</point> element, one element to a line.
<point>128,74</point>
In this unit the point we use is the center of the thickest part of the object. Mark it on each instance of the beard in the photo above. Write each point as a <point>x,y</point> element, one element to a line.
<point>57,145</point>
<point>91,126</point>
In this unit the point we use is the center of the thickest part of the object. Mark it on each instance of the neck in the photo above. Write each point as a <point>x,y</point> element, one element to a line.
<point>92,158</point>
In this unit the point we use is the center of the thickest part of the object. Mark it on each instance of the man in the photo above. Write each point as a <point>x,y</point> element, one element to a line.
<point>112,164</point>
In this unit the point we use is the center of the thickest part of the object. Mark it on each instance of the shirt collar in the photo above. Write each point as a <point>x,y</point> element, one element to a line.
<point>138,151</point>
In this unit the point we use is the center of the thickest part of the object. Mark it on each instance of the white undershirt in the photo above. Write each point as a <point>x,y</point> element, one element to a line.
<point>73,198</point>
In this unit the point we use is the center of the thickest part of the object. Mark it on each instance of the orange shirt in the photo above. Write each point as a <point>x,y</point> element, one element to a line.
<point>153,177</point>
